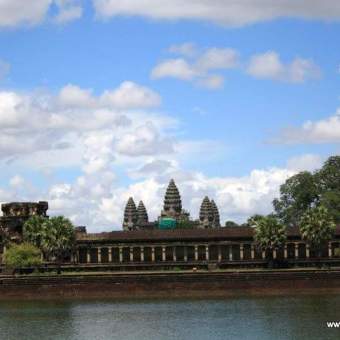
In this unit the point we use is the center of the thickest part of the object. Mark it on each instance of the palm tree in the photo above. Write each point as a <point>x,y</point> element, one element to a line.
<point>270,234</point>
<point>34,230</point>
<point>317,227</point>
<point>59,238</point>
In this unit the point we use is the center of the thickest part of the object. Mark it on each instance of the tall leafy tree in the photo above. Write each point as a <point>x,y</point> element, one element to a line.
<point>297,194</point>
<point>34,230</point>
<point>328,183</point>
<point>317,227</point>
<point>270,234</point>
<point>59,238</point>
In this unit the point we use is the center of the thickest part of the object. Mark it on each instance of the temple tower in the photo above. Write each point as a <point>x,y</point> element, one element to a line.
<point>142,214</point>
<point>206,214</point>
<point>172,202</point>
<point>130,215</point>
<point>216,214</point>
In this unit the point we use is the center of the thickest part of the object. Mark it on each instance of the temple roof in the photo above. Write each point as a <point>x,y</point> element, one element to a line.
<point>199,235</point>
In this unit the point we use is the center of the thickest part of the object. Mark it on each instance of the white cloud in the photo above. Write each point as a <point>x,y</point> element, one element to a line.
<point>16,181</point>
<point>322,131</point>
<point>214,81</point>
<point>217,58</point>
<point>307,162</point>
<point>198,69</point>
<point>225,12</point>
<point>16,12</point>
<point>186,49</point>
<point>19,12</point>
<point>201,67</point>
<point>130,95</point>
<point>144,140</point>
<point>269,66</point>
<point>174,68</point>
<point>69,10</point>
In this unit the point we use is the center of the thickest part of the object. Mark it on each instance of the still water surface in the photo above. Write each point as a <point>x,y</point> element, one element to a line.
<point>302,317</point>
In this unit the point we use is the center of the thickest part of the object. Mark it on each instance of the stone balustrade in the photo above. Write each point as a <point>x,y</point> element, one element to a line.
<point>210,252</point>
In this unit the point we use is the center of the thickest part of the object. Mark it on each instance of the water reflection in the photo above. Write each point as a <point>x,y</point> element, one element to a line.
<point>302,317</point>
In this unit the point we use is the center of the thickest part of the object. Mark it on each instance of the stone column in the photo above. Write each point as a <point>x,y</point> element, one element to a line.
<point>296,250</point>
<point>307,251</point>
<point>99,254</point>
<point>241,252</point>
<point>185,249</point>
<point>77,256</point>
<point>230,253</point>
<point>163,253</point>
<point>196,253</point>
<point>131,254</point>
<point>252,251</point>
<point>110,254</point>
<point>329,249</point>
<point>207,253</point>
<point>219,254</point>
<point>142,254</point>
<point>274,254</point>
<point>285,251</point>
<point>263,254</point>
<point>174,254</point>
<point>88,256</point>
<point>153,254</point>
<point>120,254</point>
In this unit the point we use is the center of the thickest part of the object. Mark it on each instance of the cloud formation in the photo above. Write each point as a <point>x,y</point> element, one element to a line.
<point>18,12</point>
<point>224,12</point>
<point>204,68</point>
<point>199,68</point>
<point>322,131</point>
<point>269,66</point>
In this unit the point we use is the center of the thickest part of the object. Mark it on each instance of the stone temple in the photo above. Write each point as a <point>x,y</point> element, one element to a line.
<point>137,218</point>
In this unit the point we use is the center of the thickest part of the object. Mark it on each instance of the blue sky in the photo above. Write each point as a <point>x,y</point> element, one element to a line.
<point>222,105</point>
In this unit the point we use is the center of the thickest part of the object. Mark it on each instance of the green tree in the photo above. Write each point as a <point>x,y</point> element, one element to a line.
<point>317,227</point>
<point>231,224</point>
<point>328,183</point>
<point>269,234</point>
<point>22,255</point>
<point>297,194</point>
<point>58,238</point>
<point>34,230</point>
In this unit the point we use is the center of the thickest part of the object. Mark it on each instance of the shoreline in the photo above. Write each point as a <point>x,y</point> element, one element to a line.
<point>162,285</point>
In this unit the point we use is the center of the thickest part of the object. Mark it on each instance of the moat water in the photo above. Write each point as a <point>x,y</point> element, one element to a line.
<point>295,317</point>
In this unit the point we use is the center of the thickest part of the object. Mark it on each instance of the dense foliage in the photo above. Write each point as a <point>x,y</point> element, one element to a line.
<point>22,255</point>
<point>270,234</point>
<point>306,190</point>
<point>55,237</point>
<point>317,226</point>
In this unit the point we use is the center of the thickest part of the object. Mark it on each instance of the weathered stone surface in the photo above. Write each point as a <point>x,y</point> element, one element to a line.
<point>172,201</point>
<point>130,215</point>
<point>216,214</point>
<point>142,214</point>
<point>15,214</point>
<point>206,213</point>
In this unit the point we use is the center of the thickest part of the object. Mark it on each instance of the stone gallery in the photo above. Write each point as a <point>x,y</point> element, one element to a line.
<point>174,239</point>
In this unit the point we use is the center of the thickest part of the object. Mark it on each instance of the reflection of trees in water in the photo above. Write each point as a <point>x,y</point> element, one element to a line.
<point>293,317</point>
<point>35,320</point>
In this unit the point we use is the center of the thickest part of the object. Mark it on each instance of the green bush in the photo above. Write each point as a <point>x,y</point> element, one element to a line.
<point>22,256</point>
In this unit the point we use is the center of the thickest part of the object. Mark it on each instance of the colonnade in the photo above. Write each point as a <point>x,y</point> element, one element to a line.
<point>213,252</point>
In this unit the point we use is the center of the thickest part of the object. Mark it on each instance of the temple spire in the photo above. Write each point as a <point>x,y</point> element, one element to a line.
<point>172,201</point>
<point>206,213</point>
<point>142,214</point>
<point>130,215</point>
<point>216,215</point>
